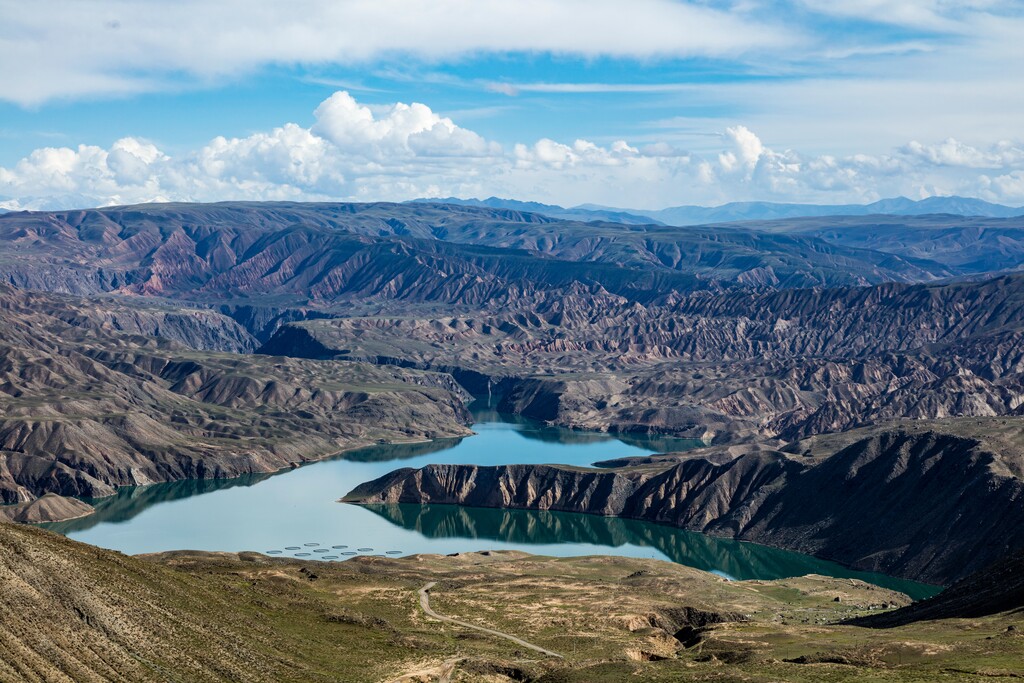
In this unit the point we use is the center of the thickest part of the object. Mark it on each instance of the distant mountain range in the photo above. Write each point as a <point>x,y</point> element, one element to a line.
<point>746,211</point>
<point>294,254</point>
<point>578,213</point>
<point>687,214</point>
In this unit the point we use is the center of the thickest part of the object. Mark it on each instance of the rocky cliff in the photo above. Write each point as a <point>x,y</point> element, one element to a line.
<point>923,502</point>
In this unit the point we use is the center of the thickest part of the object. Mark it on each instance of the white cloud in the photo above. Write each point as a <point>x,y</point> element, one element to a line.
<point>400,129</point>
<point>804,74</point>
<point>350,151</point>
<point>289,155</point>
<point>546,153</point>
<point>402,151</point>
<point>1007,185</point>
<point>870,89</point>
<point>935,15</point>
<point>746,149</point>
<point>131,160</point>
<point>952,152</point>
<point>858,114</point>
<point>70,48</point>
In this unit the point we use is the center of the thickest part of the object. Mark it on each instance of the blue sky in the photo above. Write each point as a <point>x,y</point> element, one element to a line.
<point>646,103</point>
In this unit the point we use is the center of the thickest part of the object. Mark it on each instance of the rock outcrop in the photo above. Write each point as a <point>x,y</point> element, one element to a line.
<point>48,508</point>
<point>198,328</point>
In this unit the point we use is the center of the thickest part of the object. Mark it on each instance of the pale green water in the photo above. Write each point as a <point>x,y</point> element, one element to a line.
<point>296,508</point>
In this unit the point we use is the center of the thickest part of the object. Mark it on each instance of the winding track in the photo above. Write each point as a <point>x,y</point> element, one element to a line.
<point>425,604</point>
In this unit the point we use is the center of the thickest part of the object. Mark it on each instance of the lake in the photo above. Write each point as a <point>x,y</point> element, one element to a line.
<point>295,514</point>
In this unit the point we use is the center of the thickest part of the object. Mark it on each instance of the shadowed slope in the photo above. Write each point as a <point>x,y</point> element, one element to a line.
<point>995,589</point>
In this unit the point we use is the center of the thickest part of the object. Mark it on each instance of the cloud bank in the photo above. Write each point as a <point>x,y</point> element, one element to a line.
<point>403,151</point>
<point>71,48</point>
<point>88,48</point>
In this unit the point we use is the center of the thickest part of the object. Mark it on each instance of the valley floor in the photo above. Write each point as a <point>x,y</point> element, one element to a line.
<point>69,611</point>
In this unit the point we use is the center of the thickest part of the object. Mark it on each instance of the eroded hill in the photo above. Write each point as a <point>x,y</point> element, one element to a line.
<point>722,367</point>
<point>708,332</point>
<point>85,408</point>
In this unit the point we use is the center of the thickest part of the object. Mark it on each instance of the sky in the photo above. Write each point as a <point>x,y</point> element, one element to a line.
<point>636,104</point>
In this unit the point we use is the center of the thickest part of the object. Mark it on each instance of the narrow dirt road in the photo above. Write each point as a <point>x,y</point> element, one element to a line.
<point>443,672</point>
<point>425,604</point>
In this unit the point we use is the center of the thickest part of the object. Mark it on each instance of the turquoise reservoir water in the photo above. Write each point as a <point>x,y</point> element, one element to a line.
<point>295,513</point>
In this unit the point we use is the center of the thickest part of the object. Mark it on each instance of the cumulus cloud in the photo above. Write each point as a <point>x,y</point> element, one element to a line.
<point>402,151</point>
<point>952,152</point>
<point>746,149</point>
<point>547,153</point>
<point>56,176</point>
<point>350,151</point>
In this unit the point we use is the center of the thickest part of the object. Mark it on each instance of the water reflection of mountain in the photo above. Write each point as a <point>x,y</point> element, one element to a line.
<point>484,412</point>
<point>399,451</point>
<point>538,527</point>
<point>658,443</point>
<point>129,501</point>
